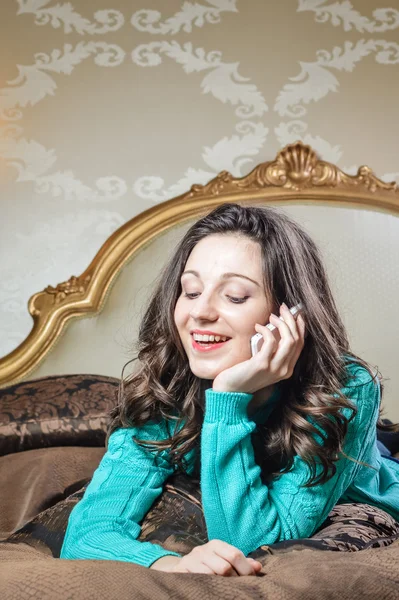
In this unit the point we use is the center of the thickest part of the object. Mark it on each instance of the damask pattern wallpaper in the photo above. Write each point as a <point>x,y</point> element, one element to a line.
<point>107,108</point>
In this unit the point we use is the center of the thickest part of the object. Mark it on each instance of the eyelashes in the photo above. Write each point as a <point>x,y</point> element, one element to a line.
<point>232,299</point>
<point>238,300</point>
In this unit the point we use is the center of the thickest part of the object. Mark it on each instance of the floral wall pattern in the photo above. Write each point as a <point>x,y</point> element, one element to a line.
<point>107,108</point>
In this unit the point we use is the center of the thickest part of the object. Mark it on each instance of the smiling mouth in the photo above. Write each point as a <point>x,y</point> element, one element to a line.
<point>206,346</point>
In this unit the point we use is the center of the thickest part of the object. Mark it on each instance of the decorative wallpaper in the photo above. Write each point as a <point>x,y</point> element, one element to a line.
<point>107,108</point>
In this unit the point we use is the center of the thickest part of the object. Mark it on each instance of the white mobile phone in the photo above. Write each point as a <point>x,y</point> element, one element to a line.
<point>257,339</point>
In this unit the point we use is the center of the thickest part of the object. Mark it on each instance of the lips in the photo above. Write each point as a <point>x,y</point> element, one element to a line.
<point>209,347</point>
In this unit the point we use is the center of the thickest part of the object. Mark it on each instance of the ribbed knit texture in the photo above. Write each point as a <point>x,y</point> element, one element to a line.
<point>238,508</point>
<point>104,524</point>
<point>230,408</point>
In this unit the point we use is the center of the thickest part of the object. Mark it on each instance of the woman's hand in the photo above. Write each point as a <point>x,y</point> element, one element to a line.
<point>275,360</point>
<point>213,558</point>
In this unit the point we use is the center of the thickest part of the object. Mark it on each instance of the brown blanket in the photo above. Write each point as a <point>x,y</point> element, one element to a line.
<point>33,480</point>
<point>26,574</point>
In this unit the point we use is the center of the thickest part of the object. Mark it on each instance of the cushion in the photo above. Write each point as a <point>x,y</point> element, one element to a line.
<point>60,410</point>
<point>32,481</point>
<point>176,522</point>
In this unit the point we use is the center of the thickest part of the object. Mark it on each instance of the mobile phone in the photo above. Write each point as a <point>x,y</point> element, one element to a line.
<point>257,339</point>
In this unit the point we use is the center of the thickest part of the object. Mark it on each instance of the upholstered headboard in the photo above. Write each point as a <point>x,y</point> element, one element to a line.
<point>354,220</point>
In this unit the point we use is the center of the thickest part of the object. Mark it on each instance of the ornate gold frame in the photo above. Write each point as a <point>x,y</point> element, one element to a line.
<point>295,174</point>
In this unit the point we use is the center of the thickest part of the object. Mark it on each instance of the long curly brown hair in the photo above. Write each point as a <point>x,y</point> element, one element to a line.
<point>163,386</point>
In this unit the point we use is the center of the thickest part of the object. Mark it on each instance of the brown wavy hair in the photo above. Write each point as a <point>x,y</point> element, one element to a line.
<point>164,387</point>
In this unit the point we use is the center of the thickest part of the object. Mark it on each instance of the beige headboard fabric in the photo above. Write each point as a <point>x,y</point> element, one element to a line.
<point>359,242</point>
<point>360,248</point>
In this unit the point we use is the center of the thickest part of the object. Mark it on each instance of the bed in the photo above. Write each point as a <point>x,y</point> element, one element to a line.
<point>60,382</point>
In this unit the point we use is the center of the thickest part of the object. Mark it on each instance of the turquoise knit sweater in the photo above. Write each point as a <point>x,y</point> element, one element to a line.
<point>238,507</point>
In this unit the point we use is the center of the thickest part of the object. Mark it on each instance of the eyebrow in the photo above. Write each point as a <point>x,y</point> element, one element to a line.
<point>224,276</point>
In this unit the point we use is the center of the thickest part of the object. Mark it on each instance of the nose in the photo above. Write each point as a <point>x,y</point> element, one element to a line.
<point>204,309</point>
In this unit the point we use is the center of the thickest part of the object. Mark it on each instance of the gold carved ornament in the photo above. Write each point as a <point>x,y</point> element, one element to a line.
<point>295,175</point>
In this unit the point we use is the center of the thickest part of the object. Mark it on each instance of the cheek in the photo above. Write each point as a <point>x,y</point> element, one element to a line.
<point>244,327</point>
<point>180,315</point>
<point>241,351</point>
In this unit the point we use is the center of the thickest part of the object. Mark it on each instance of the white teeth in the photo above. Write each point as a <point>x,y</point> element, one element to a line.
<point>209,338</point>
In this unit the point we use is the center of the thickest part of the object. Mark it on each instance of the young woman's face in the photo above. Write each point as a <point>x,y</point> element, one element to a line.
<point>222,295</point>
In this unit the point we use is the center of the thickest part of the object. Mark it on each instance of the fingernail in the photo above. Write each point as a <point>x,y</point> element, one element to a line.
<point>284,305</point>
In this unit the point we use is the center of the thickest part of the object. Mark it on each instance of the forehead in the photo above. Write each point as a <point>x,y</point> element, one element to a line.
<point>226,252</point>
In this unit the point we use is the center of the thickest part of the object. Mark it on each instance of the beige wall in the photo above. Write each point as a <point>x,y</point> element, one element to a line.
<point>105,112</point>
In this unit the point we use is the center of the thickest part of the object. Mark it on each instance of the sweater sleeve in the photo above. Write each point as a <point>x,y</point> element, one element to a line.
<point>238,508</point>
<point>105,523</point>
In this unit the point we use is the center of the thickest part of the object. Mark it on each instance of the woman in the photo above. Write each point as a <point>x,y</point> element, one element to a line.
<point>277,438</point>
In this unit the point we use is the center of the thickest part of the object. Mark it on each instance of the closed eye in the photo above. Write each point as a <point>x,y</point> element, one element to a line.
<point>238,300</point>
<point>231,298</point>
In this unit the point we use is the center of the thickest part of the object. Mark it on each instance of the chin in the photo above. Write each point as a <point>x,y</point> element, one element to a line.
<point>205,372</point>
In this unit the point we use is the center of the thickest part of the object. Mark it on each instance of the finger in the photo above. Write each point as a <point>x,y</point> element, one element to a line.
<point>237,559</point>
<point>256,564</point>
<point>301,326</point>
<point>288,350</point>
<point>233,555</point>
<point>270,341</point>
<point>180,570</point>
<point>282,326</point>
<point>201,567</point>
<point>300,343</point>
<point>220,566</point>
<point>286,343</point>
<point>290,320</point>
